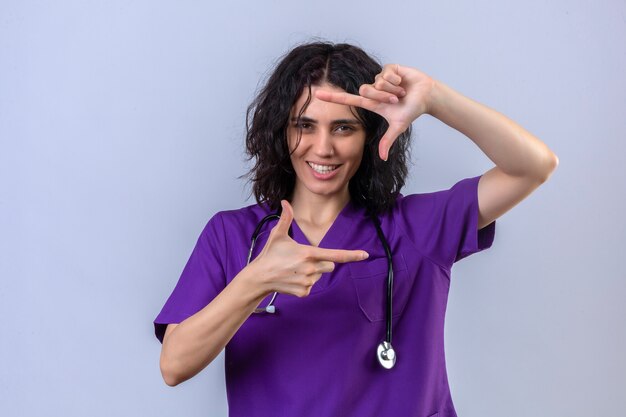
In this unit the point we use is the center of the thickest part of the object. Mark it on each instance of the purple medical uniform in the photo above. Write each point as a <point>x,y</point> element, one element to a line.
<point>316,356</point>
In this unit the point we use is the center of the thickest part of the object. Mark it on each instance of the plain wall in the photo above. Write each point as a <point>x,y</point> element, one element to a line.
<point>121,133</point>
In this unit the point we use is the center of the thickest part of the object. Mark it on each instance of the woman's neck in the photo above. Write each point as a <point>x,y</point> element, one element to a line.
<point>318,210</point>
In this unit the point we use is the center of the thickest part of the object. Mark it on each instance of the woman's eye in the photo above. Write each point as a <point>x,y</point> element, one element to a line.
<point>345,128</point>
<point>303,125</point>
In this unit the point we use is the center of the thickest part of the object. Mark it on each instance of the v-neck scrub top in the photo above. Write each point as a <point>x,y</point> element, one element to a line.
<point>316,356</point>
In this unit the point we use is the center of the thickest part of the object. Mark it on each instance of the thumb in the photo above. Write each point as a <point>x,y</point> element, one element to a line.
<point>387,141</point>
<point>286,217</point>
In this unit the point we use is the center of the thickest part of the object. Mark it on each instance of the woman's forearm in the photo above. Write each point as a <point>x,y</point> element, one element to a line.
<point>196,341</point>
<point>513,149</point>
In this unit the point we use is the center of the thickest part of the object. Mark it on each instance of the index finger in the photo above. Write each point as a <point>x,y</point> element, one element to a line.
<point>339,255</point>
<point>347,99</point>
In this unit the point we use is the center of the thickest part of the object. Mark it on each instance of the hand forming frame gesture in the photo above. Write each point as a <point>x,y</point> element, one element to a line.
<point>399,94</point>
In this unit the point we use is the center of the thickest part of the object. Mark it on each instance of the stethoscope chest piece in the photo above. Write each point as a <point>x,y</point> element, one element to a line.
<point>386,355</point>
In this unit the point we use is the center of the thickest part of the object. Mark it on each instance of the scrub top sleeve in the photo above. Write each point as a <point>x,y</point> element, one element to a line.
<point>202,279</point>
<point>443,224</point>
<point>460,236</point>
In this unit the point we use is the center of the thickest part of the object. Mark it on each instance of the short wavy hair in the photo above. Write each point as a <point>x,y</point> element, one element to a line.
<point>376,183</point>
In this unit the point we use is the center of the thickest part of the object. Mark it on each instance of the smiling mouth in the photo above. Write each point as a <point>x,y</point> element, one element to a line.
<point>323,169</point>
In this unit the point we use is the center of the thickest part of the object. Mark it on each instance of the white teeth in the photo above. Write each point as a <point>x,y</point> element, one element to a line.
<point>322,169</point>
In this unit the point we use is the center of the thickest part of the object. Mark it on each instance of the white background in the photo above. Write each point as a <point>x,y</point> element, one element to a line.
<point>121,134</point>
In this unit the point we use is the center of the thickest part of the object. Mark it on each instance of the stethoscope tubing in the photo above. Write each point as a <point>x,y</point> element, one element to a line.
<point>389,307</point>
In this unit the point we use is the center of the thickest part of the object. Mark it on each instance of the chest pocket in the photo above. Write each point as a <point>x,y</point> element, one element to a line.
<point>369,278</point>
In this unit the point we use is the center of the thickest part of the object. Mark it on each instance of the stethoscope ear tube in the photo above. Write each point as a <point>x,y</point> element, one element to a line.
<point>257,230</point>
<point>269,308</point>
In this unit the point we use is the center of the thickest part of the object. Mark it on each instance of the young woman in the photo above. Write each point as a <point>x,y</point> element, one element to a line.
<point>352,261</point>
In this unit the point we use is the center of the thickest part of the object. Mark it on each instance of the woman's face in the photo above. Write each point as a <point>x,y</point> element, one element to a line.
<point>330,148</point>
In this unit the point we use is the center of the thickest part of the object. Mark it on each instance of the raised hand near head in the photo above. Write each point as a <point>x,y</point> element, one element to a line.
<point>286,266</point>
<point>399,94</point>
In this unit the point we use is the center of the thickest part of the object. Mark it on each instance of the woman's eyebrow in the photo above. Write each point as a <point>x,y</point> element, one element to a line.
<point>347,122</point>
<point>303,119</point>
<point>335,122</point>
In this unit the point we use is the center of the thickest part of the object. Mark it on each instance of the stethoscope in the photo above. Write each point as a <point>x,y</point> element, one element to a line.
<point>384,352</point>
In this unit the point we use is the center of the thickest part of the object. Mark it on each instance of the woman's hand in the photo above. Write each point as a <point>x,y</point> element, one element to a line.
<point>399,94</point>
<point>286,266</point>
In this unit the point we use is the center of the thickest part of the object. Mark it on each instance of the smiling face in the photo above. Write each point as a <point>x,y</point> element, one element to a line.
<point>330,148</point>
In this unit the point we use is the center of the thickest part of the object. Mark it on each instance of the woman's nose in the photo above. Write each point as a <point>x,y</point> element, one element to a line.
<point>323,145</point>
